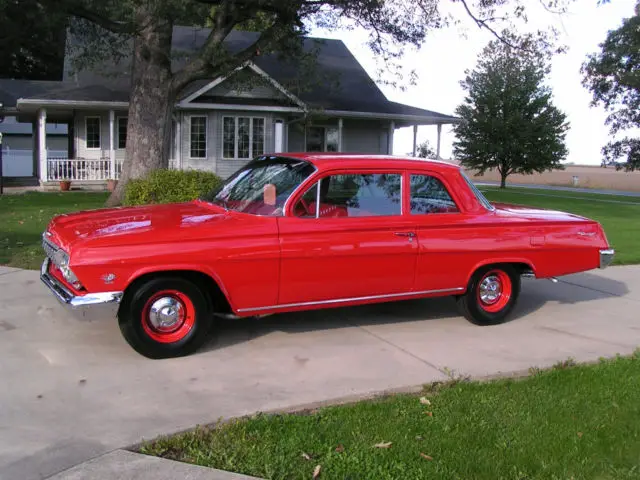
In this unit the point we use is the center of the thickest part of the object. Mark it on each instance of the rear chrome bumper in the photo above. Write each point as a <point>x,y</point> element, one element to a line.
<point>606,257</point>
<point>107,301</point>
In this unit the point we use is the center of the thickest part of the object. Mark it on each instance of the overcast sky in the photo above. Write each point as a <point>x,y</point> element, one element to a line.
<point>441,64</point>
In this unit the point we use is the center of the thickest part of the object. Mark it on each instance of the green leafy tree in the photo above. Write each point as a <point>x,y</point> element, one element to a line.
<point>509,121</point>
<point>424,150</point>
<point>142,30</point>
<point>32,39</point>
<point>613,76</point>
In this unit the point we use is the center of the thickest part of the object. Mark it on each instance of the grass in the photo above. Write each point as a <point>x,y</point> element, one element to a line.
<point>23,218</point>
<point>621,221</point>
<point>570,422</point>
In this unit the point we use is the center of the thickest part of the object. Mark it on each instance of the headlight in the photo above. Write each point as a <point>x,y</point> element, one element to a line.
<point>61,260</point>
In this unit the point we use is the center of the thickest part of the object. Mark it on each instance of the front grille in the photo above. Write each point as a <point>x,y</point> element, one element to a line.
<point>49,248</point>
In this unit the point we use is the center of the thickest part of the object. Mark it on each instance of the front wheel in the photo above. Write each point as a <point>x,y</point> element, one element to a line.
<point>165,317</point>
<point>491,295</point>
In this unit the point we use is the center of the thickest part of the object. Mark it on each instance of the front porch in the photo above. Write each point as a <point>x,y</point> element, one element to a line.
<point>201,139</point>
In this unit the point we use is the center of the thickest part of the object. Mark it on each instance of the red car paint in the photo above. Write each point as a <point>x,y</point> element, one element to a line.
<point>269,264</point>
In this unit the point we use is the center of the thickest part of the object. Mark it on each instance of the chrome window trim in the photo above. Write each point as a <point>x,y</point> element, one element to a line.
<point>318,198</point>
<point>353,299</point>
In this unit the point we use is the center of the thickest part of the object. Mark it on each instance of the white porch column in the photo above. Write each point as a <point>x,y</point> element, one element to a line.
<point>439,141</point>
<point>112,144</point>
<point>278,136</point>
<point>178,141</point>
<point>392,129</point>
<point>415,140</point>
<point>42,144</point>
<point>340,125</point>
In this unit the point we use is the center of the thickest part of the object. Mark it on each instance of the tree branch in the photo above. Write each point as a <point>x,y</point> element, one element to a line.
<point>203,67</point>
<point>484,23</point>
<point>76,9</point>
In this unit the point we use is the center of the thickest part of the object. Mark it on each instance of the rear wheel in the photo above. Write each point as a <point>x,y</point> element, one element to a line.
<point>491,295</point>
<point>165,317</point>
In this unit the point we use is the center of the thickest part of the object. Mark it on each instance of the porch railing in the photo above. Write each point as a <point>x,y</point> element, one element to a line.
<point>83,169</point>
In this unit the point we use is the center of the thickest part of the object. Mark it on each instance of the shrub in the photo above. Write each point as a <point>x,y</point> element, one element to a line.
<point>168,186</point>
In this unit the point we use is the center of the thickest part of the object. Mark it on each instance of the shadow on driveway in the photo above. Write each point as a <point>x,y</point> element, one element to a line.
<point>534,295</point>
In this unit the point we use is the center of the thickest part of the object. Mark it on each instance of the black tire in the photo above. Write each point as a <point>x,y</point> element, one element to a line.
<point>480,313</point>
<point>138,331</point>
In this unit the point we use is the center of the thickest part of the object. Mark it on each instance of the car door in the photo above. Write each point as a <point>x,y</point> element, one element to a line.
<point>445,238</point>
<point>347,238</point>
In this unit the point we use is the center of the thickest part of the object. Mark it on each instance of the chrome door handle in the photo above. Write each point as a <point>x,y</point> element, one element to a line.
<point>405,234</point>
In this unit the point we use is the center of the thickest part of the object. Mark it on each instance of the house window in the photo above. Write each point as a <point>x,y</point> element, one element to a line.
<point>122,133</point>
<point>198,137</point>
<point>242,137</point>
<point>93,132</point>
<point>322,139</point>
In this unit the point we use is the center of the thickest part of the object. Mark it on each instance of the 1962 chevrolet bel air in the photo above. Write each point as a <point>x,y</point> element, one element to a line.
<point>306,231</point>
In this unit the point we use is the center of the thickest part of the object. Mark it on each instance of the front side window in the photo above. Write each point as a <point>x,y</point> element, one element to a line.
<point>93,132</point>
<point>354,195</point>
<point>122,133</point>
<point>242,137</point>
<point>198,137</point>
<point>429,195</point>
<point>261,187</point>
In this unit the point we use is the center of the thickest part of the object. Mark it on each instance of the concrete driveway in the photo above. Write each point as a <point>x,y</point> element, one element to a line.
<point>73,390</point>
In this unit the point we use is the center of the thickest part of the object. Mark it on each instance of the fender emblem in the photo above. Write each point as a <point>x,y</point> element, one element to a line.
<point>108,278</point>
<point>585,234</point>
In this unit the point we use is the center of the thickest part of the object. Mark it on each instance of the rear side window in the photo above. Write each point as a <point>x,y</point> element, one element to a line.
<point>429,195</point>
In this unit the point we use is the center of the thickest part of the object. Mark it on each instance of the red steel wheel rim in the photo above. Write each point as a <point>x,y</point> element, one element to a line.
<point>168,316</point>
<point>494,291</point>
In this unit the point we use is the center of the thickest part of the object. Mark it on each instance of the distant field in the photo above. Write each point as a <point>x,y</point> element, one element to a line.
<point>588,177</point>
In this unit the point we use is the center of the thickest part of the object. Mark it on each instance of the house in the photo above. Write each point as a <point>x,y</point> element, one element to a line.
<point>19,161</point>
<point>219,124</point>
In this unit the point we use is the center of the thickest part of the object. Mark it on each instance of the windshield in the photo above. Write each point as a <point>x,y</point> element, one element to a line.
<point>481,198</point>
<point>262,186</point>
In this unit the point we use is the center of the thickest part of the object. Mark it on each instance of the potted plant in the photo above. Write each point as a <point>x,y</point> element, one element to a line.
<point>111,184</point>
<point>65,185</point>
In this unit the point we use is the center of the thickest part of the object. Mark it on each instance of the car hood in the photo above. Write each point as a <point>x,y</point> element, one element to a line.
<point>127,223</point>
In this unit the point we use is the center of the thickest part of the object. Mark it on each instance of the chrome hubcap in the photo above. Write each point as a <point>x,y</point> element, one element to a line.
<point>165,314</point>
<point>490,290</point>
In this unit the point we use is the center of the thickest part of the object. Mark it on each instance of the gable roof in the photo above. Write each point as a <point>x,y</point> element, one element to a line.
<point>342,84</point>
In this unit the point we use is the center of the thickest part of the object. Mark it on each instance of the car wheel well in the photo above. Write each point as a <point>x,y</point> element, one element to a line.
<point>216,297</point>
<point>521,267</point>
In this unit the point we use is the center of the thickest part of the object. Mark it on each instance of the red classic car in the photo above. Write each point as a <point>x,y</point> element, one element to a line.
<point>293,232</point>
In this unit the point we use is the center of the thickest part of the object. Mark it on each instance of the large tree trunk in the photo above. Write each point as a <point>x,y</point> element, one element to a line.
<point>503,180</point>
<point>151,102</point>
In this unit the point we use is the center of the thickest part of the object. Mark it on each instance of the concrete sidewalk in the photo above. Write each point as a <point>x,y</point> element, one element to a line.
<point>74,391</point>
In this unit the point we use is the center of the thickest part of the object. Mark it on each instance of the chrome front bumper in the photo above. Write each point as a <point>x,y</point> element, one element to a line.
<point>606,257</point>
<point>77,303</point>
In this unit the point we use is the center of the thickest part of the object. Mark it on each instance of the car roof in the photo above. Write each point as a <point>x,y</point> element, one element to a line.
<point>331,160</point>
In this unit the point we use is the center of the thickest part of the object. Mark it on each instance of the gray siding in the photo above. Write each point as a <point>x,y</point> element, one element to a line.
<point>364,136</point>
<point>358,136</point>
<point>26,142</point>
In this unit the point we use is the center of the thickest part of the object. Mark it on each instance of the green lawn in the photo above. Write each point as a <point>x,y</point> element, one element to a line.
<point>578,422</point>
<point>621,221</point>
<point>23,218</point>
